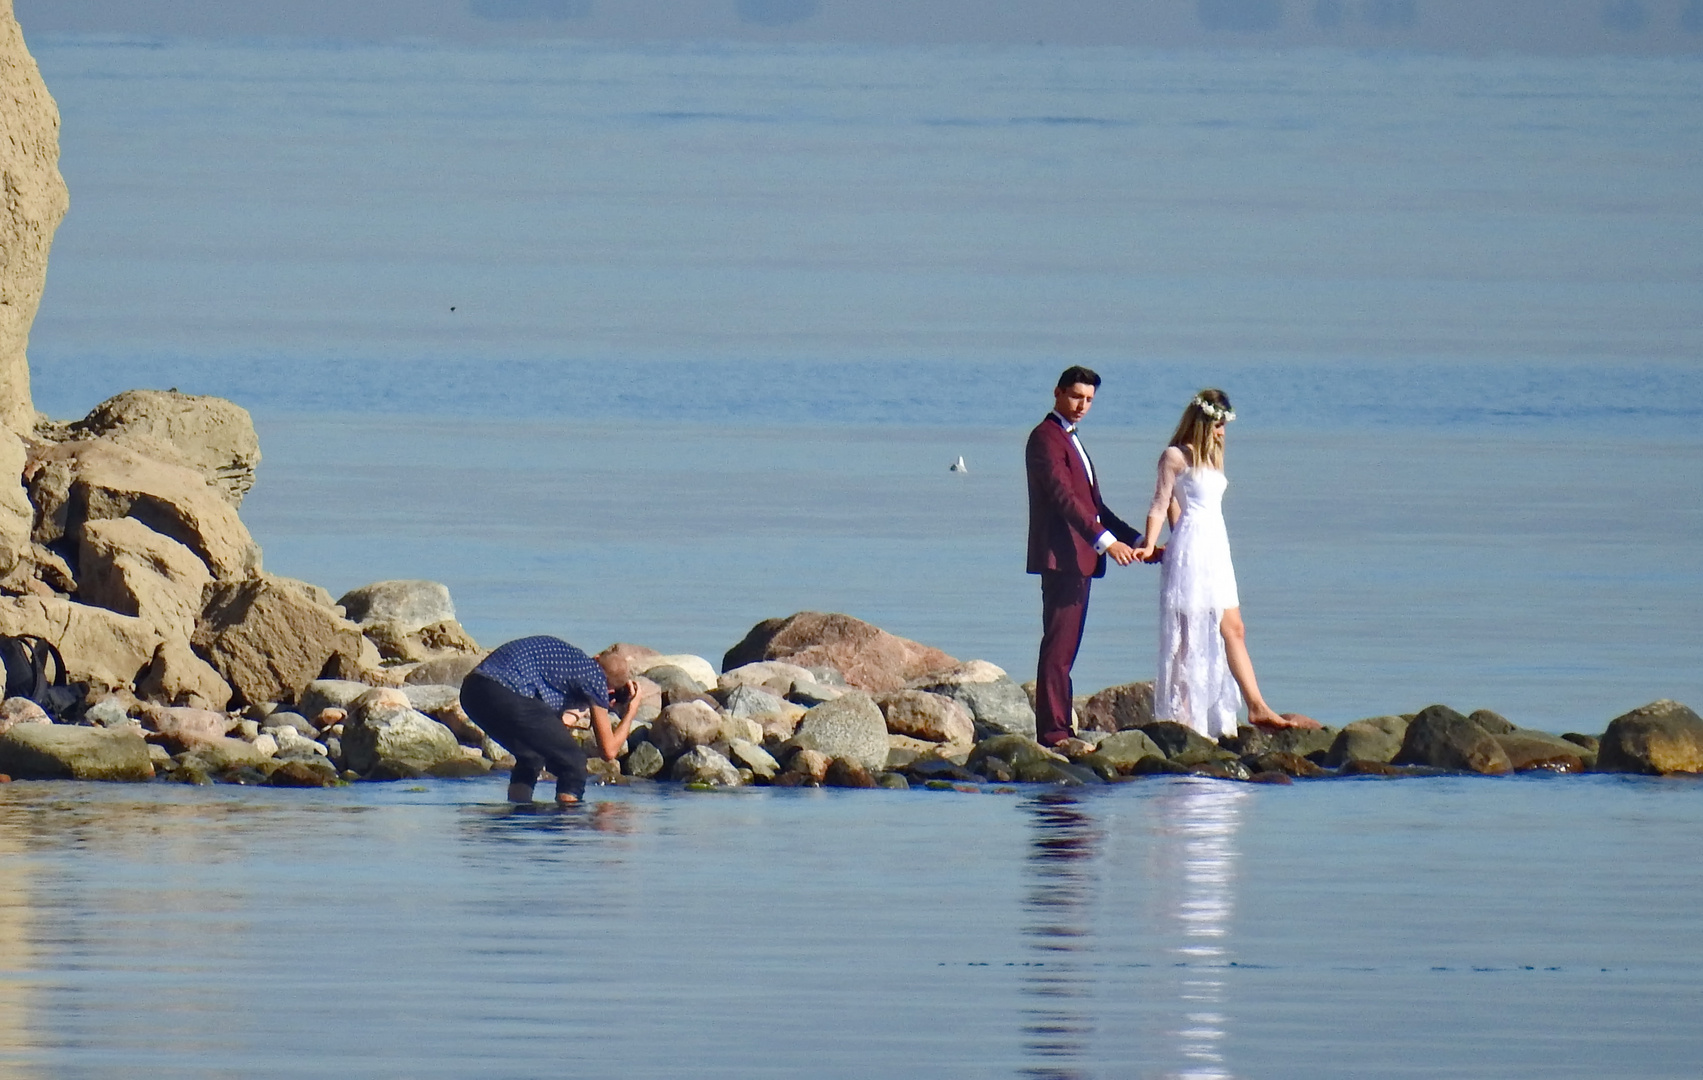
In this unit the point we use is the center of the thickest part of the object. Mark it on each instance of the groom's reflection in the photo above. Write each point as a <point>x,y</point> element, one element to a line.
<point>1062,850</point>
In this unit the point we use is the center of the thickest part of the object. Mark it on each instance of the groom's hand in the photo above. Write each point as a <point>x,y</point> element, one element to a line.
<point>1121,552</point>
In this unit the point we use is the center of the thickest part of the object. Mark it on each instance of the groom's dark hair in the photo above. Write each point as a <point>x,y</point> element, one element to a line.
<point>1076,373</point>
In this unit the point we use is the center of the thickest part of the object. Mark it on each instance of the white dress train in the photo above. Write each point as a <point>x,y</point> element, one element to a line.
<point>1197,584</point>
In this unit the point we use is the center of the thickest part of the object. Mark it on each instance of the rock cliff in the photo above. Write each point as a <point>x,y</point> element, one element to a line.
<point>35,200</point>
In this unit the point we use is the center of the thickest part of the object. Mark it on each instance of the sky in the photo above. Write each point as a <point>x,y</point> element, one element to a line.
<point>1637,27</point>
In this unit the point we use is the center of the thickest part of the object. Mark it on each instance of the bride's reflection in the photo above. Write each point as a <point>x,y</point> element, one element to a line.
<point>1198,854</point>
<point>1057,1026</point>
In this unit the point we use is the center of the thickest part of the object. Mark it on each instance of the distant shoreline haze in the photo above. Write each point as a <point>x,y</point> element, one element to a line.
<point>1643,27</point>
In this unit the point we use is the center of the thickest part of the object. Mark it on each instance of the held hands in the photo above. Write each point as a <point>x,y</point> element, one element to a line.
<point>1122,553</point>
<point>1148,552</point>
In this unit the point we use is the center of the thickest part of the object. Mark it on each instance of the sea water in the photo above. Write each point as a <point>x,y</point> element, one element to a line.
<point>648,344</point>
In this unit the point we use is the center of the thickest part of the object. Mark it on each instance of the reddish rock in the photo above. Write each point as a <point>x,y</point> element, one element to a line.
<point>844,773</point>
<point>922,715</point>
<point>868,657</point>
<point>1370,768</point>
<point>1532,750</point>
<point>180,729</point>
<point>19,710</point>
<point>1286,763</point>
<point>1118,708</point>
<point>812,764</point>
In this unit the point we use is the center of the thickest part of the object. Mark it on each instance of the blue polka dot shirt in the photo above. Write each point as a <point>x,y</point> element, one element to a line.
<point>550,670</point>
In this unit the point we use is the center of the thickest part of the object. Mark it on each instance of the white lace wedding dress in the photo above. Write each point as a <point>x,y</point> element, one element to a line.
<point>1197,584</point>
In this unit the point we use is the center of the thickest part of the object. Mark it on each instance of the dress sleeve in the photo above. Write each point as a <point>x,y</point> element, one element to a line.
<point>1171,466</point>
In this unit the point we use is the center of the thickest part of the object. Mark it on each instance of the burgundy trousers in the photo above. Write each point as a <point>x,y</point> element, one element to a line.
<point>1064,611</point>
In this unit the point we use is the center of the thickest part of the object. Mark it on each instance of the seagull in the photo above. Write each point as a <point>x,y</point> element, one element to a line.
<point>959,466</point>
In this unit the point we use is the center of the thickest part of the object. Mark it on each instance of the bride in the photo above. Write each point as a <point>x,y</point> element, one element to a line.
<point>1204,668</point>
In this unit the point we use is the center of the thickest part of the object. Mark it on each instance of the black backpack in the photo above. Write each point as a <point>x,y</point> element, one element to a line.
<point>26,657</point>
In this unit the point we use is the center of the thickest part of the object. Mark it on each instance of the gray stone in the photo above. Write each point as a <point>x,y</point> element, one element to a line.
<point>1126,748</point>
<point>293,721</point>
<point>699,670</point>
<point>303,773</point>
<point>703,765</point>
<point>644,761</point>
<point>223,753</point>
<point>443,671</point>
<point>1181,743</point>
<point>681,727</point>
<point>747,754</point>
<point>1657,739</point>
<point>428,698</point>
<point>1377,738</point>
<point>1301,741</point>
<point>322,694</point>
<point>669,678</point>
<point>1492,722</point>
<point>754,703</point>
<point>1017,750</point>
<point>849,728</point>
<point>408,605</point>
<point>893,780</point>
<point>65,752</point>
<point>1118,708</point>
<point>383,734</point>
<point>998,707</point>
<point>1443,738</point>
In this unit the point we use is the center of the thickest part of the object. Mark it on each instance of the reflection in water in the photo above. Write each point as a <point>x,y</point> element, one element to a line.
<point>1199,819</point>
<point>1060,908</point>
<point>17,961</point>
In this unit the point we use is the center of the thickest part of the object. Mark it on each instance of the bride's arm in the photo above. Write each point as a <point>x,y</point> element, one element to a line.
<point>1163,507</point>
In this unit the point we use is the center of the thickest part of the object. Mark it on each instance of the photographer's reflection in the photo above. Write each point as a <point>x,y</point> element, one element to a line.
<point>1059,934</point>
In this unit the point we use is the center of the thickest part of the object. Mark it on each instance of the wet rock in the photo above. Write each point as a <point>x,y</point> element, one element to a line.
<point>126,567</point>
<point>1531,750</point>
<point>303,774</point>
<point>1018,751</point>
<point>868,657</point>
<point>1228,767</point>
<point>1270,778</point>
<point>20,710</point>
<point>1181,743</point>
<point>1246,742</point>
<point>1302,742</point>
<point>1125,748</point>
<point>849,728</point>
<point>812,764</point>
<point>892,780</point>
<point>382,731</point>
<point>600,771</point>
<point>1283,762</point>
<point>1588,742</point>
<point>1054,772</point>
<point>189,771</point>
<point>996,769</point>
<point>1441,737</point>
<point>1370,768</point>
<point>922,715</point>
<point>67,752</point>
<point>1376,738</point>
<point>1159,766</point>
<point>847,774</point>
<point>644,761</point>
<point>213,436</point>
<point>1660,738</point>
<point>1118,708</point>
<point>703,765</point>
<point>681,727</point>
<point>927,769</point>
<point>269,637</point>
<point>994,702</point>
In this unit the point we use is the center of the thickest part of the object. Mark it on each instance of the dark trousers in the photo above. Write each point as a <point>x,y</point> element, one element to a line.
<point>1064,611</point>
<point>530,730</point>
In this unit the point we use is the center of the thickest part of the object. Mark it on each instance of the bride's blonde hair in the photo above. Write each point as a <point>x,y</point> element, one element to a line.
<point>1194,430</point>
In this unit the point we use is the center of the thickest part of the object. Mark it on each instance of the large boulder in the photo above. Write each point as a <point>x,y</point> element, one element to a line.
<point>1529,750</point>
<point>868,657</point>
<point>101,647</point>
<point>697,668</point>
<point>440,640</point>
<point>1118,708</point>
<point>1181,743</point>
<point>1301,741</point>
<point>680,727</point>
<point>850,727</point>
<point>213,436</point>
<point>35,202</point>
<point>384,735</point>
<point>270,636</point>
<point>126,567</point>
<point>703,765</point>
<point>998,705</point>
<point>93,480</point>
<point>177,676</point>
<point>1125,748</point>
<point>408,605</point>
<point>922,715</point>
<point>17,516</point>
<point>1376,738</point>
<point>1659,738</point>
<point>1442,738</point>
<point>67,752</point>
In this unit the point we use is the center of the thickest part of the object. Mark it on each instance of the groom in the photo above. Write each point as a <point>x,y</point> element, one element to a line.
<point>1071,532</point>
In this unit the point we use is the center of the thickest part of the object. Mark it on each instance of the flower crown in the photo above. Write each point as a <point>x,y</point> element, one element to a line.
<point>1218,414</point>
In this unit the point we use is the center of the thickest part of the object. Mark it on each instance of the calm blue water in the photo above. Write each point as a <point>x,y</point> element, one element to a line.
<point>722,316</point>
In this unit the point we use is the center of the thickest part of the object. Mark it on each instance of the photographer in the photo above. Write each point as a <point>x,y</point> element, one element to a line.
<point>522,695</point>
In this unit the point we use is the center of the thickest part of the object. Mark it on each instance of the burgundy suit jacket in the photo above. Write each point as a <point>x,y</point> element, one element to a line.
<point>1066,513</point>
